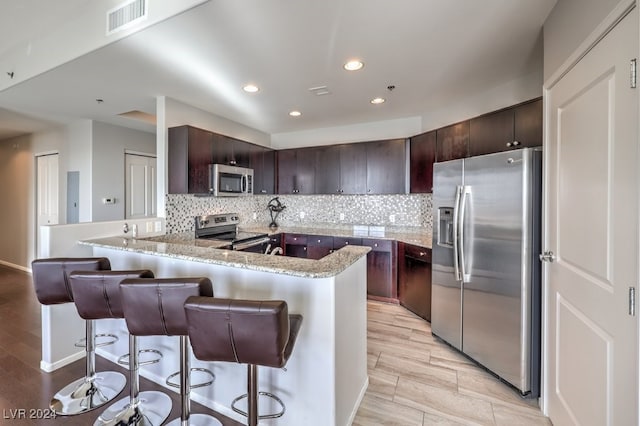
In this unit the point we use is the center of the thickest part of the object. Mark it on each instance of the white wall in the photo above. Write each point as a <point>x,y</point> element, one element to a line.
<point>79,144</point>
<point>17,192</point>
<point>82,32</point>
<point>109,144</point>
<point>568,25</point>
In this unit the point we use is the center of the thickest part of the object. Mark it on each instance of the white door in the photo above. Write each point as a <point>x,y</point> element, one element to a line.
<point>47,189</point>
<point>592,227</point>
<point>140,191</point>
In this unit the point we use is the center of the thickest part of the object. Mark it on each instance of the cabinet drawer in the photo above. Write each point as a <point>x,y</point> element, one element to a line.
<point>378,245</point>
<point>319,241</point>
<point>339,242</point>
<point>295,239</point>
<point>417,252</point>
<point>275,239</point>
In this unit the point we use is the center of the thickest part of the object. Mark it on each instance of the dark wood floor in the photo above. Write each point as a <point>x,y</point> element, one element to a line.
<point>23,386</point>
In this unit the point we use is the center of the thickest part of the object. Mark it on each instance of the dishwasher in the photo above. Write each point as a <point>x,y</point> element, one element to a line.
<point>414,290</point>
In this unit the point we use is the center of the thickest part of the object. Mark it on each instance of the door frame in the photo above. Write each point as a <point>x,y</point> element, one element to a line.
<point>621,10</point>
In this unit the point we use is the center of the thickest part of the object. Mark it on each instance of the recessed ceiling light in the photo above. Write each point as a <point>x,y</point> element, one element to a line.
<point>251,88</point>
<point>354,65</point>
<point>376,101</point>
<point>295,113</point>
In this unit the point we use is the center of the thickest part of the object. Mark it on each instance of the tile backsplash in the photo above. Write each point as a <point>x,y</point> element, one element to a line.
<point>406,210</point>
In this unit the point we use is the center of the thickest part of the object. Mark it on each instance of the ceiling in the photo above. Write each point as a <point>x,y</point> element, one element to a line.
<point>435,52</point>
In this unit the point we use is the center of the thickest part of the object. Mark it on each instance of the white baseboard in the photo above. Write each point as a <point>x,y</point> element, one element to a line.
<point>14,266</point>
<point>49,367</point>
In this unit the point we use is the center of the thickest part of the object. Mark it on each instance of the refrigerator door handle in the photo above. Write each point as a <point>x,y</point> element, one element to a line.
<point>465,275</point>
<point>456,246</point>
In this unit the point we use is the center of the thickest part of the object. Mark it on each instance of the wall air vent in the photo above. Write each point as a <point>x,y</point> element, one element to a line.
<point>126,15</point>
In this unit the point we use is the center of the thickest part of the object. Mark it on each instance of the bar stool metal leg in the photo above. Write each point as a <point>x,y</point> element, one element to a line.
<point>91,391</point>
<point>186,418</point>
<point>149,408</point>
<point>252,396</point>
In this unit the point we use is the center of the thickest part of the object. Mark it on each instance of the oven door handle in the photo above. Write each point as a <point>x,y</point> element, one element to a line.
<point>252,243</point>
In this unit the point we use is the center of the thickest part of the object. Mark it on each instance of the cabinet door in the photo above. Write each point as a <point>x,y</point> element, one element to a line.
<point>263,165</point>
<point>452,142</point>
<point>422,155</point>
<point>199,158</point>
<point>241,153</point>
<point>319,246</point>
<point>222,149</point>
<point>306,170</point>
<point>189,156</point>
<point>287,168</point>
<point>353,168</point>
<point>386,167</point>
<point>528,124</point>
<point>178,160</point>
<point>491,133</point>
<point>328,167</point>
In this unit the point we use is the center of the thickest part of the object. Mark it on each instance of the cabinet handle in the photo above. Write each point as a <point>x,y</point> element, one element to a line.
<point>375,244</point>
<point>422,253</point>
<point>319,241</point>
<point>509,144</point>
<point>263,191</point>
<point>305,248</point>
<point>516,143</point>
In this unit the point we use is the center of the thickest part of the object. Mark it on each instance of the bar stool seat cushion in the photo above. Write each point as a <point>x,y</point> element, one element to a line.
<point>51,276</point>
<point>150,307</point>
<point>97,293</point>
<point>242,331</point>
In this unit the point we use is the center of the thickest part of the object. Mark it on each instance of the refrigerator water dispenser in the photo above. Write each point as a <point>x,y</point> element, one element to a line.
<point>445,227</point>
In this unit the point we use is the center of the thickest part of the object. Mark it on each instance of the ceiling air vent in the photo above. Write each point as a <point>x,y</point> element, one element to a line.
<point>126,15</point>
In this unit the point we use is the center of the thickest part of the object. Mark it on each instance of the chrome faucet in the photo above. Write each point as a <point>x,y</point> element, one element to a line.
<point>277,250</point>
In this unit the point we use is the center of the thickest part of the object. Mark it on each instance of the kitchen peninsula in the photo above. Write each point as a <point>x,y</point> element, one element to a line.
<point>325,378</point>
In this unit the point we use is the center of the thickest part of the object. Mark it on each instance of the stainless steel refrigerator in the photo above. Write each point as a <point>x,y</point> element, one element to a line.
<point>486,272</point>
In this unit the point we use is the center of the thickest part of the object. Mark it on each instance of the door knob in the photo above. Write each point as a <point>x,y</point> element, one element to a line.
<point>547,256</point>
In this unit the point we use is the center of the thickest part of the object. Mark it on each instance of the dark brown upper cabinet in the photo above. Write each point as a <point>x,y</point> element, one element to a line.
<point>452,142</point>
<point>190,152</point>
<point>528,123</point>
<point>263,163</point>
<point>512,128</point>
<point>296,171</point>
<point>422,155</point>
<point>341,169</point>
<point>230,151</point>
<point>386,166</point>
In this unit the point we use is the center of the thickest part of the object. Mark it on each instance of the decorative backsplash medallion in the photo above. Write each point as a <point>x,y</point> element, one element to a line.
<point>406,210</point>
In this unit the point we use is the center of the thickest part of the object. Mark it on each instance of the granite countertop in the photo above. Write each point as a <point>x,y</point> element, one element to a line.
<point>186,247</point>
<point>410,235</point>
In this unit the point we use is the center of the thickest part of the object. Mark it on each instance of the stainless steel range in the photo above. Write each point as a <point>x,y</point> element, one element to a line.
<point>224,227</point>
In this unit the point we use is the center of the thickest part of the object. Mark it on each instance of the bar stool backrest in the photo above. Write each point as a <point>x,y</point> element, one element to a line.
<point>97,293</point>
<point>243,331</point>
<point>51,276</point>
<point>155,307</point>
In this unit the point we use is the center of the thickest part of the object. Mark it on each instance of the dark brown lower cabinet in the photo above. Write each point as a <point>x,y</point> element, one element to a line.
<point>295,245</point>
<point>414,279</point>
<point>318,246</point>
<point>382,273</point>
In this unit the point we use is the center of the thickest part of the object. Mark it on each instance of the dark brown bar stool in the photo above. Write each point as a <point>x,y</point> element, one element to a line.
<point>247,332</point>
<point>155,307</point>
<point>51,282</point>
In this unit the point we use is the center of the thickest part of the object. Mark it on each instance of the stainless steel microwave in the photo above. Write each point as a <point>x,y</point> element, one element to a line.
<point>230,181</point>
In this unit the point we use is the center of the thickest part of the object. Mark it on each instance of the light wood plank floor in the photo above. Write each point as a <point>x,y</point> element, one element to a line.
<point>414,379</point>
